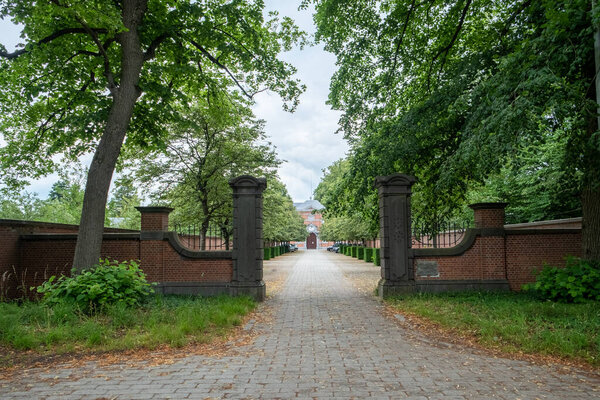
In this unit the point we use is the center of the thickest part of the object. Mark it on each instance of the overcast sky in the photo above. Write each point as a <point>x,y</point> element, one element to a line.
<point>305,139</point>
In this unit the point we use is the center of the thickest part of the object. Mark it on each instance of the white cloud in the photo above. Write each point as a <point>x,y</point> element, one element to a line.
<point>305,138</point>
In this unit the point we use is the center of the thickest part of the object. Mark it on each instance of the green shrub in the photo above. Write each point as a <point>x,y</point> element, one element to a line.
<point>376,257</point>
<point>107,283</point>
<point>354,251</point>
<point>368,254</point>
<point>577,282</point>
<point>267,253</point>
<point>360,253</point>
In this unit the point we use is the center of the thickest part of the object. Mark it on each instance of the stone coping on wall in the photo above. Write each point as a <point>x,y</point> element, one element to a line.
<point>564,221</point>
<point>17,223</point>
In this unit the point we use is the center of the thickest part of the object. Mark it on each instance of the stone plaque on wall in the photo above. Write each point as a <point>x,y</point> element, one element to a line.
<point>427,268</point>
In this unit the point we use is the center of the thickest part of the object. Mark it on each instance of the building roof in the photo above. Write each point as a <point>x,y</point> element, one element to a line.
<point>309,205</point>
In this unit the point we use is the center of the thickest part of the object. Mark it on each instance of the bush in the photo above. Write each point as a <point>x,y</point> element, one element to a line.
<point>107,283</point>
<point>376,257</point>
<point>354,251</point>
<point>368,254</point>
<point>577,282</point>
<point>267,252</point>
<point>360,253</point>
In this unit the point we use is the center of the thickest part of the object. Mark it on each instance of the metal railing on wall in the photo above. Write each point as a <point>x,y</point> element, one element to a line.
<point>214,239</point>
<point>438,235</point>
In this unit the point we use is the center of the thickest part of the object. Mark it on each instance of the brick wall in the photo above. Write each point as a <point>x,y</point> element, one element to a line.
<point>31,252</point>
<point>492,253</point>
<point>526,252</point>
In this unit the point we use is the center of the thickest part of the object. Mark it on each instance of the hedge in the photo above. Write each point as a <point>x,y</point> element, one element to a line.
<point>360,253</point>
<point>368,254</point>
<point>376,257</point>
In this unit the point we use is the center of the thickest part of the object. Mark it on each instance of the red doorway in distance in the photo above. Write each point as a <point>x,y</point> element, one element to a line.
<point>311,242</point>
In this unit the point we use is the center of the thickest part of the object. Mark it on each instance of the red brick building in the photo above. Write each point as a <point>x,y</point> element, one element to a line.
<point>310,211</point>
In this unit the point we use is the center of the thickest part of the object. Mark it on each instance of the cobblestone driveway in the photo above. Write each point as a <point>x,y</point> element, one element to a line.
<point>326,340</point>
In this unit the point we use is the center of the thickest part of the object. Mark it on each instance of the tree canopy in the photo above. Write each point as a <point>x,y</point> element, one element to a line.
<point>456,92</point>
<point>214,140</point>
<point>281,221</point>
<point>91,76</point>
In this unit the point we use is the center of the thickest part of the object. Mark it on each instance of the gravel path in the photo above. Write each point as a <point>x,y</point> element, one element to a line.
<point>326,338</point>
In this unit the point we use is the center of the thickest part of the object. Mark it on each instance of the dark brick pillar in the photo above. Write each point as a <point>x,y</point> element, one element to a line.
<point>489,215</point>
<point>155,221</point>
<point>394,219</point>
<point>489,218</point>
<point>247,237</point>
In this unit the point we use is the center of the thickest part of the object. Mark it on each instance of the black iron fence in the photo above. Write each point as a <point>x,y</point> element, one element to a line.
<point>215,238</point>
<point>438,235</point>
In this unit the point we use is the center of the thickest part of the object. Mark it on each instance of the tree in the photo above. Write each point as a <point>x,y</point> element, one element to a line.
<point>63,204</point>
<point>452,91</point>
<point>213,142</point>
<point>281,221</point>
<point>347,198</point>
<point>122,212</point>
<point>94,73</point>
<point>352,227</point>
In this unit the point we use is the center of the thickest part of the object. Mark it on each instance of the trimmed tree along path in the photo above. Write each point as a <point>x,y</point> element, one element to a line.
<point>316,337</point>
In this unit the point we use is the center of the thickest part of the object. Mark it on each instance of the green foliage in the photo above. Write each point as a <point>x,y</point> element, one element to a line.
<point>463,94</point>
<point>107,283</point>
<point>577,282</point>
<point>169,320</point>
<point>346,227</point>
<point>360,253</point>
<point>354,251</point>
<point>267,252</point>
<point>368,254</point>
<point>377,257</point>
<point>281,220</point>
<point>215,139</point>
<point>59,86</point>
<point>513,322</point>
<point>65,201</point>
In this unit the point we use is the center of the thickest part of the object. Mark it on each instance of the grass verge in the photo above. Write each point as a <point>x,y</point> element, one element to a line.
<point>163,320</point>
<point>513,322</point>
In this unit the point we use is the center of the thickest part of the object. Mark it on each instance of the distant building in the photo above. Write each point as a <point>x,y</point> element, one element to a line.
<point>310,211</point>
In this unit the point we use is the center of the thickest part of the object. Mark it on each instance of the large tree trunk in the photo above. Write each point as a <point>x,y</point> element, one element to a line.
<point>590,197</point>
<point>91,228</point>
<point>590,202</point>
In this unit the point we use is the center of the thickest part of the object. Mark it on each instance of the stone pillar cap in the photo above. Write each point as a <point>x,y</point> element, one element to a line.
<point>396,179</point>
<point>154,209</point>
<point>248,181</point>
<point>488,206</point>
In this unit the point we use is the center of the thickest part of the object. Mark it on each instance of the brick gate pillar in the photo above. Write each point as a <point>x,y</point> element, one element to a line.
<point>247,237</point>
<point>394,220</point>
<point>155,221</point>
<point>489,219</point>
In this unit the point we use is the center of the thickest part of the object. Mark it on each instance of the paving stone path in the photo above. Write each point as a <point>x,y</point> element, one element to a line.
<point>325,340</point>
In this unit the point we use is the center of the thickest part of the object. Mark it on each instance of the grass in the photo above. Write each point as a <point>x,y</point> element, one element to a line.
<point>170,320</point>
<point>514,322</point>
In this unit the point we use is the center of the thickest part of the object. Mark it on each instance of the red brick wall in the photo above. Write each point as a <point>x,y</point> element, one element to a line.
<point>155,222</point>
<point>36,258</point>
<point>526,253</point>
<point>489,218</point>
<point>513,257</point>
<point>40,259</point>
